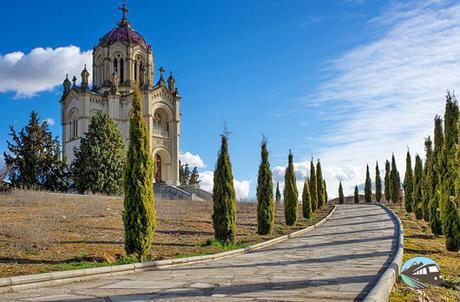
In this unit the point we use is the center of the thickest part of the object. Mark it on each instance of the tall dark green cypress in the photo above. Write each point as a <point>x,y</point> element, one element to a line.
<point>408,185</point>
<point>278,193</point>
<point>387,181</point>
<point>306,200</point>
<point>341,196</point>
<point>417,190</point>
<point>450,216</point>
<point>265,205</point>
<point>291,196</point>
<point>313,187</point>
<point>427,182</point>
<point>356,194</point>
<point>435,212</point>
<point>368,186</point>
<point>325,192</point>
<point>139,210</point>
<point>378,183</point>
<point>395,183</point>
<point>224,199</point>
<point>320,185</point>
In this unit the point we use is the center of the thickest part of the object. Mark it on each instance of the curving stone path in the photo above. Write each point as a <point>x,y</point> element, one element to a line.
<point>339,261</point>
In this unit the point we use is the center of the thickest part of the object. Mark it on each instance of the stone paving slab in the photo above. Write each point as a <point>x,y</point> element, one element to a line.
<point>339,261</point>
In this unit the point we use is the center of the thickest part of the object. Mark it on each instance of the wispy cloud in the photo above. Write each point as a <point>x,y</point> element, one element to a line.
<point>383,95</point>
<point>41,69</point>
<point>312,19</point>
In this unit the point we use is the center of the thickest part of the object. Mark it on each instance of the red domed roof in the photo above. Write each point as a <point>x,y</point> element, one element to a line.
<point>123,33</point>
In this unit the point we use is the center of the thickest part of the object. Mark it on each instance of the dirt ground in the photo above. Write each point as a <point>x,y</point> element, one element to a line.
<point>42,232</point>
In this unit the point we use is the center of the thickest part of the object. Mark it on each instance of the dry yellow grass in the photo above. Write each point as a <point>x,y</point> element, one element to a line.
<point>42,232</point>
<point>419,241</point>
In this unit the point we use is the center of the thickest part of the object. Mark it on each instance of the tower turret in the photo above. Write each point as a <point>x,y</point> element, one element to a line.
<point>84,79</point>
<point>66,84</point>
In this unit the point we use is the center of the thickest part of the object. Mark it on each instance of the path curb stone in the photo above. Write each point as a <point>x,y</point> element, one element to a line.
<point>17,283</point>
<point>382,289</point>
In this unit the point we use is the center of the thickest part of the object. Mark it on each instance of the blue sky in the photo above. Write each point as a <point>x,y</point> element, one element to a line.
<point>347,81</point>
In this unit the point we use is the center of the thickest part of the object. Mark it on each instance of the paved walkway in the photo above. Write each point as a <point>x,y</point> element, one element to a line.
<point>339,261</point>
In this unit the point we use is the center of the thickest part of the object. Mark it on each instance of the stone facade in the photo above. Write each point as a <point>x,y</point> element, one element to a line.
<point>121,60</point>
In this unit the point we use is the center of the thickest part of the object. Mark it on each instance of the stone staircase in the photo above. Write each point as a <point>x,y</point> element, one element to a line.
<point>164,191</point>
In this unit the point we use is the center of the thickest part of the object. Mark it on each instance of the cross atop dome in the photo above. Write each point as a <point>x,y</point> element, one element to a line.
<point>124,21</point>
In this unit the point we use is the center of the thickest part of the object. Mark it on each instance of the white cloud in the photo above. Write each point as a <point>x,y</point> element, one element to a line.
<point>383,96</point>
<point>242,187</point>
<point>50,121</point>
<point>192,159</point>
<point>41,69</point>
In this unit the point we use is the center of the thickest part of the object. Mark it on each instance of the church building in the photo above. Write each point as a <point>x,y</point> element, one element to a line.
<point>121,60</point>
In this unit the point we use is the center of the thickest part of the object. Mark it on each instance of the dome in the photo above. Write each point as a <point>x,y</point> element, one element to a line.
<point>122,33</point>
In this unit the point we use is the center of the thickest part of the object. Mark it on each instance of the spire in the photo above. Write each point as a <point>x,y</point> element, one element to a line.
<point>161,81</point>
<point>124,22</point>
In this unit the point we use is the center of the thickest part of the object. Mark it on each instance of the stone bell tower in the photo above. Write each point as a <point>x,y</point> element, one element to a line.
<point>122,60</point>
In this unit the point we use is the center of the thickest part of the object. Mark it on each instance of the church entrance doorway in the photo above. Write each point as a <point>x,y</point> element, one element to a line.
<point>158,169</point>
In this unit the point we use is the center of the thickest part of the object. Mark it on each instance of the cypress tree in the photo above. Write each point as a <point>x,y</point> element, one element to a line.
<point>265,205</point>
<point>417,189</point>
<point>320,185</point>
<point>291,196</point>
<point>448,172</point>
<point>341,196</point>
<point>313,187</point>
<point>278,193</point>
<point>368,186</point>
<point>427,182</point>
<point>325,192</point>
<point>378,183</point>
<point>395,182</point>
<point>435,213</point>
<point>306,200</point>
<point>356,194</point>
<point>408,185</point>
<point>224,209</point>
<point>451,225</point>
<point>99,162</point>
<point>387,181</point>
<point>139,210</point>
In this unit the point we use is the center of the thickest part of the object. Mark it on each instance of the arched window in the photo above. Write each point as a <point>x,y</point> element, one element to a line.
<point>115,65</point>
<point>122,70</point>
<point>135,70</point>
<point>141,72</point>
<point>73,124</point>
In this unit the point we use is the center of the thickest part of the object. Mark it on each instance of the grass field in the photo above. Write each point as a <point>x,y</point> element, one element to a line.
<point>419,241</point>
<point>42,232</point>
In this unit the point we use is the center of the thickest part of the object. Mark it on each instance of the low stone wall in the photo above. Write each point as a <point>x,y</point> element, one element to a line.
<point>382,289</point>
<point>171,192</point>
<point>200,193</point>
